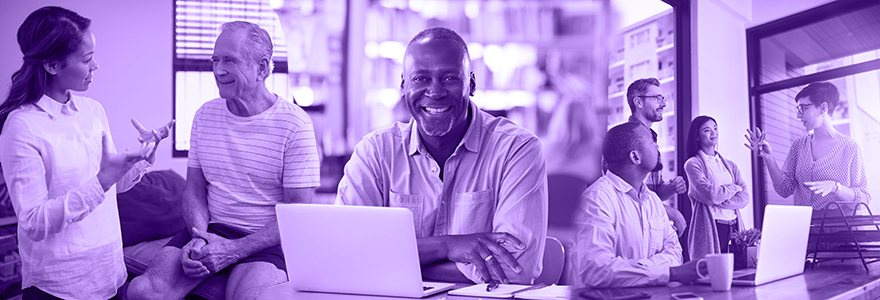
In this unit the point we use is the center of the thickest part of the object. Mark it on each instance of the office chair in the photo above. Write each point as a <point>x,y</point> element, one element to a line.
<point>554,262</point>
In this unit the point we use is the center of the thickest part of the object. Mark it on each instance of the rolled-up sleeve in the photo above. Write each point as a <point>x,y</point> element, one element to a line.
<point>596,263</point>
<point>858,179</point>
<point>670,254</point>
<point>788,184</point>
<point>522,212</point>
<point>361,184</point>
<point>136,173</point>
<point>25,173</point>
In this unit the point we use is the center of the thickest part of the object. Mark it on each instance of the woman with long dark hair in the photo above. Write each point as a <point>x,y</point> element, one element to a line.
<point>61,166</point>
<point>716,189</point>
<point>823,166</point>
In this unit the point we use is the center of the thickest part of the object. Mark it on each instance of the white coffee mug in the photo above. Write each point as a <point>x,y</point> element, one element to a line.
<point>720,267</point>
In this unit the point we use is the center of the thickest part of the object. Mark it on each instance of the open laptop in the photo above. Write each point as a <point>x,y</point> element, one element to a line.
<point>783,246</point>
<point>352,250</point>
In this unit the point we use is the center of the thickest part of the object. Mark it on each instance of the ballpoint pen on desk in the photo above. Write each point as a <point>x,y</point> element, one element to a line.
<point>492,285</point>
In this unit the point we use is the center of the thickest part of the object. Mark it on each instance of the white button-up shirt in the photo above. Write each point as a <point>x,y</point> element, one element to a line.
<point>625,238</point>
<point>495,181</point>
<point>68,228</point>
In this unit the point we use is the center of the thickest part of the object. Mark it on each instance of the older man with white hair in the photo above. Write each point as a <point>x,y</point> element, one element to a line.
<point>250,149</point>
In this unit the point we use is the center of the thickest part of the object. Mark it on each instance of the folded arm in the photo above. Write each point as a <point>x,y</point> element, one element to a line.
<point>741,199</point>
<point>705,190</point>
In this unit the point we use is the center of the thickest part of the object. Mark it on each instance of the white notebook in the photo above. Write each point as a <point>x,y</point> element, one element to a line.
<point>553,292</point>
<point>479,290</point>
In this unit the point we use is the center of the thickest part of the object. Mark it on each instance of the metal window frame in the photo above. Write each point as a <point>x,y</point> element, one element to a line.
<point>197,65</point>
<point>754,36</point>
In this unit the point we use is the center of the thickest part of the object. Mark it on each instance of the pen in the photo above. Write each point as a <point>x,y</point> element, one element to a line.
<point>492,285</point>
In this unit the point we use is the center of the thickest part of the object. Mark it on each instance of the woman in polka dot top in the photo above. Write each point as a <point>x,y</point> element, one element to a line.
<point>822,167</point>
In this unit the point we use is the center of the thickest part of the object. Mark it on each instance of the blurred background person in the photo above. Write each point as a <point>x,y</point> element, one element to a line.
<point>716,189</point>
<point>571,151</point>
<point>823,166</point>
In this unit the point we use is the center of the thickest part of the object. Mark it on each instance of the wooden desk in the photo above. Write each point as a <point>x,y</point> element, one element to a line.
<point>829,280</point>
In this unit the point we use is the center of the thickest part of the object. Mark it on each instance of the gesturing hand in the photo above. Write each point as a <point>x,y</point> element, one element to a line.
<point>155,136</point>
<point>822,188</point>
<point>191,267</point>
<point>757,143</point>
<point>484,250</point>
<point>115,165</point>
<point>218,253</point>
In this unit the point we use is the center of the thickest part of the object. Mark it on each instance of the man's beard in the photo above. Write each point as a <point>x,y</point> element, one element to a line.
<point>654,116</point>
<point>659,165</point>
<point>437,127</point>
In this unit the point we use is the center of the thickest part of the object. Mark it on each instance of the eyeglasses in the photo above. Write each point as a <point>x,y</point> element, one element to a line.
<point>660,98</point>
<point>802,107</point>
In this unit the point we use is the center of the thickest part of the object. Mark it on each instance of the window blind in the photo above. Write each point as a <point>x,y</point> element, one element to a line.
<point>197,25</point>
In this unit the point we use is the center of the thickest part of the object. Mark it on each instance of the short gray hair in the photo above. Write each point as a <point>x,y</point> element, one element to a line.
<point>258,42</point>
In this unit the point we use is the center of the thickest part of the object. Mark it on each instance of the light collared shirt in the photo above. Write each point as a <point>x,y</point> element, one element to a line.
<point>719,174</point>
<point>69,237</point>
<point>624,236</point>
<point>495,181</point>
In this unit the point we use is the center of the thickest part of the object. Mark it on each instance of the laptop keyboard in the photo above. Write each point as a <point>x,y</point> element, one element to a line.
<point>745,277</point>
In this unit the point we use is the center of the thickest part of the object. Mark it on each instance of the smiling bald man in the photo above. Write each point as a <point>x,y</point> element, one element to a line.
<point>476,184</point>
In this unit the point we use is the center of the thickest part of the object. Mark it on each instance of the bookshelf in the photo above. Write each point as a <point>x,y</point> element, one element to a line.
<point>526,55</point>
<point>646,49</point>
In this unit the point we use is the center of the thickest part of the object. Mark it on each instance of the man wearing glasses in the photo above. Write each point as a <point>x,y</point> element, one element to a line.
<point>646,101</point>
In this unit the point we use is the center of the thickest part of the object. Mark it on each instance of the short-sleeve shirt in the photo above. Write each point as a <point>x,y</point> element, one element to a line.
<point>248,161</point>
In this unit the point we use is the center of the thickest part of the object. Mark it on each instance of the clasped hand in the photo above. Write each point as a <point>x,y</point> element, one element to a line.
<point>207,253</point>
<point>484,250</point>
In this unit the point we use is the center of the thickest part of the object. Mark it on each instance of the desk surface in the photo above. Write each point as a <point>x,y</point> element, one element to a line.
<point>829,280</point>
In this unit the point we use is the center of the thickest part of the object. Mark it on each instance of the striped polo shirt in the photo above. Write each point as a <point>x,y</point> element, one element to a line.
<point>248,161</point>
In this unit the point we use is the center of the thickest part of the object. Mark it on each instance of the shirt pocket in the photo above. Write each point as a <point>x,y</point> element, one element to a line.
<point>414,204</point>
<point>472,212</point>
<point>658,228</point>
